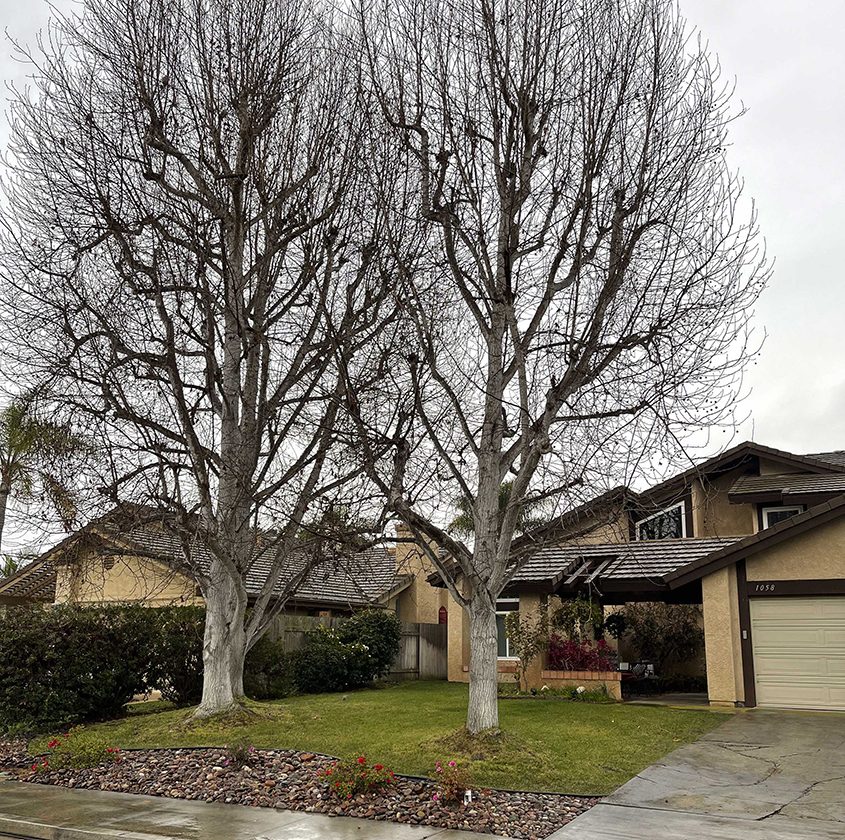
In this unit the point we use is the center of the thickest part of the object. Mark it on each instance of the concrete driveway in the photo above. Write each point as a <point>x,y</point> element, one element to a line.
<point>762,774</point>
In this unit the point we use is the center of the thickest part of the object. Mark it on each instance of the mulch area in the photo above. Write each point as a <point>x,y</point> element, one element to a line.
<point>288,779</point>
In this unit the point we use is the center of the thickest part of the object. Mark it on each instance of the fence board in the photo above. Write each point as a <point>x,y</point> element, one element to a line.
<point>422,647</point>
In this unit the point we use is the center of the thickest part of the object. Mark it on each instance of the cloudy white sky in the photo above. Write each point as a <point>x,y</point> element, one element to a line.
<point>788,61</point>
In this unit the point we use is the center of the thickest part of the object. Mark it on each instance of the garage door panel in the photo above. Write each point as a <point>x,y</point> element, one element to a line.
<point>799,652</point>
<point>771,665</point>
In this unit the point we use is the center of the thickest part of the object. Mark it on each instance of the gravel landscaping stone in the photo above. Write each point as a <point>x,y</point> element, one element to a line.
<point>288,779</point>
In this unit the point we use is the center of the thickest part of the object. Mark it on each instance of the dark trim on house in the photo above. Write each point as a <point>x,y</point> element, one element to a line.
<point>690,521</point>
<point>745,641</point>
<point>793,588</point>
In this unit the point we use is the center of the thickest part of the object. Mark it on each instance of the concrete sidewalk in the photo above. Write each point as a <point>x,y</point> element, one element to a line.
<point>41,812</point>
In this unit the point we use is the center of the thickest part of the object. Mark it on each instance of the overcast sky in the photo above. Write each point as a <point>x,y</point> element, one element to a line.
<point>788,61</point>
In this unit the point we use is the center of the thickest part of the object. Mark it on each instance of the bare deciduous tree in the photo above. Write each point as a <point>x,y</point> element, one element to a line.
<point>578,285</point>
<point>185,240</point>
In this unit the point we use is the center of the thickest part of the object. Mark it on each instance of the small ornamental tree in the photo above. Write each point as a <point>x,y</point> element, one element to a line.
<point>528,635</point>
<point>664,634</point>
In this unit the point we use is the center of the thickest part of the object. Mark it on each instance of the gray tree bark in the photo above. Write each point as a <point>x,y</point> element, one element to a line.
<point>483,709</point>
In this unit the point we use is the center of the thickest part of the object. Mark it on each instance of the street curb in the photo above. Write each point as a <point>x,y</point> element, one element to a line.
<point>17,828</point>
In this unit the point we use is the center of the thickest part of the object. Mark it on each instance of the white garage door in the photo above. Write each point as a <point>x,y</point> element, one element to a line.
<point>799,652</point>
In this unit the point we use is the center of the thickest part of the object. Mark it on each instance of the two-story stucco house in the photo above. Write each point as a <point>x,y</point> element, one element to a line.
<point>755,535</point>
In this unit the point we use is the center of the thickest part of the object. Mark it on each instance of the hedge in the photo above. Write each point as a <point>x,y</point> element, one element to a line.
<point>66,665</point>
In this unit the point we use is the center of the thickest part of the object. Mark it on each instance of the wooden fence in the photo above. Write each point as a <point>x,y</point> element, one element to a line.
<point>422,647</point>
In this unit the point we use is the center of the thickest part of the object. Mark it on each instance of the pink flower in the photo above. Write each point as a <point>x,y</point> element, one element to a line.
<point>436,797</point>
<point>453,763</point>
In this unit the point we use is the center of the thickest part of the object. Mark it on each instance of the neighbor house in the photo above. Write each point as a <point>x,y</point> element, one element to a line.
<point>756,536</point>
<point>123,558</point>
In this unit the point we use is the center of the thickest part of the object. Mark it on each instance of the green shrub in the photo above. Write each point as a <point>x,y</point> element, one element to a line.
<point>176,666</point>
<point>78,750</point>
<point>66,664</point>
<point>270,671</point>
<point>352,776</point>
<point>326,663</point>
<point>380,631</point>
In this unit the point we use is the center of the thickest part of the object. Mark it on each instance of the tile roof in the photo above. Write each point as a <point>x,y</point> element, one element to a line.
<point>789,484</point>
<point>345,580</point>
<point>34,582</point>
<point>650,559</point>
<point>837,458</point>
<point>349,579</point>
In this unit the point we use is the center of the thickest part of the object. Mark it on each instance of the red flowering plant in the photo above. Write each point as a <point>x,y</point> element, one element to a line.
<point>78,750</point>
<point>349,777</point>
<point>452,781</point>
<point>578,655</point>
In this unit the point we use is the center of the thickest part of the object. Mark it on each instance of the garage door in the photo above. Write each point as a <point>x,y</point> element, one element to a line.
<point>799,652</point>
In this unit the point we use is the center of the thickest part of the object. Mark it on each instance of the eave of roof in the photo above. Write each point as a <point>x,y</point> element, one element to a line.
<point>34,582</point>
<point>754,543</point>
<point>797,488</point>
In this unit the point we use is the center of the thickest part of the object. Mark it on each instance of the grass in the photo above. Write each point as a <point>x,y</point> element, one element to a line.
<point>546,745</point>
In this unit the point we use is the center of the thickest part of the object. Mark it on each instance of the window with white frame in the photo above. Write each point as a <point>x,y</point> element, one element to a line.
<point>503,607</point>
<point>667,524</point>
<point>777,513</point>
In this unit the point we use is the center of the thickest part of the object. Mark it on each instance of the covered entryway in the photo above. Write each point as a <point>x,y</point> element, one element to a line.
<point>799,651</point>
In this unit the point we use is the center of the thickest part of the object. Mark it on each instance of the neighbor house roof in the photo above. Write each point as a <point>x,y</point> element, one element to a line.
<point>345,580</point>
<point>354,579</point>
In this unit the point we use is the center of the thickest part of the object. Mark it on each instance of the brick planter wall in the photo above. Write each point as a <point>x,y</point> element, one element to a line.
<point>591,680</point>
<point>536,678</point>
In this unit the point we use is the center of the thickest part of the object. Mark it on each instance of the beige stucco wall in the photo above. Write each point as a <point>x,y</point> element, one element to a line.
<point>818,554</point>
<point>420,602</point>
<point>598,531</point>
<point>722,637</point>
<point>714,515</point>
<point>771,467</point>
<point>458,642</point>
<point>94,579</point>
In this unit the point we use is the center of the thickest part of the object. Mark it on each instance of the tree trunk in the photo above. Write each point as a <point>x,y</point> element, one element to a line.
<point>483,709</point>
<point>223,649</point>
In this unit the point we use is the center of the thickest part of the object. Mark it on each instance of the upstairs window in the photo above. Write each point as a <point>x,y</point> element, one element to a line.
<point>667,524</point>
<point>504,607</point>
<point>773,515</point>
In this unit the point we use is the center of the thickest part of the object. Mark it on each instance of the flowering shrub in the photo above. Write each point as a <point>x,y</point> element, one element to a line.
<point>452,780</point>
<point>350,777</point>
<point>239,754</point>
<point>77,751</point>
<point>570,655</point>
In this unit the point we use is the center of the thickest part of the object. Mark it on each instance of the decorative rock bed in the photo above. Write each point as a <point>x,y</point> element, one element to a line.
<point>288,779</point>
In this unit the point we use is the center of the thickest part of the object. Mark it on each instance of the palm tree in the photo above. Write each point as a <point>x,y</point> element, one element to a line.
<point>32,453</point>
<point>9,564</point>
<point>463,525</point>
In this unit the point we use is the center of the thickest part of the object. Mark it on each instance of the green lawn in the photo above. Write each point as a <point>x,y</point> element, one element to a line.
<point>547,745</point>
